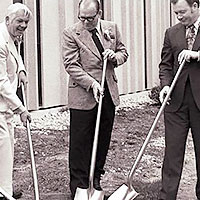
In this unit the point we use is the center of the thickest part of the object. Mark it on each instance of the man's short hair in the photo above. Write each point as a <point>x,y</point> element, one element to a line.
<point>190,2</point>
<point>97,2</point>
<point>14,8</point>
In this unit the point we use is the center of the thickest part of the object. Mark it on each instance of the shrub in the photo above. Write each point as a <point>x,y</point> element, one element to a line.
<point>154,94</point>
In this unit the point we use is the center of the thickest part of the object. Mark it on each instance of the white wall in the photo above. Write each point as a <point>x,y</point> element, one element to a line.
<point>3,7</point>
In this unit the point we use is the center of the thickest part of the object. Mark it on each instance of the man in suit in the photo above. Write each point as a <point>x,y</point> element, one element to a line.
<point>182,42</point>
<point>83,60</point>
<point>12,74</point>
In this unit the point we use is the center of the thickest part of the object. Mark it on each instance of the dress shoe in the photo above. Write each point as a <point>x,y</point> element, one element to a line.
<point>97,185</point>
<point>2,198</point>
<point>17,194</point>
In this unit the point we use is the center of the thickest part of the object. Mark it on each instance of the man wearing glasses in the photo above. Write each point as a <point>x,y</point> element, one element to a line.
<point>85,44</point>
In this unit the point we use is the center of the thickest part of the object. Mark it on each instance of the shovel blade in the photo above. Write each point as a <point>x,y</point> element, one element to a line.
<point>81,194</point>
<point>131,195</point>
<point>123,193</point>
<point>97,195</point>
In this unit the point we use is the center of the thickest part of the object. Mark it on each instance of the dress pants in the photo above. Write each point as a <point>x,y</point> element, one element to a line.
<point>6,151</point>
<point>177,125</point>
<point>82,129</point>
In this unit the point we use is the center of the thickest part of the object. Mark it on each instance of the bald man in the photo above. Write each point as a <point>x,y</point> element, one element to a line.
<point>85,45</point>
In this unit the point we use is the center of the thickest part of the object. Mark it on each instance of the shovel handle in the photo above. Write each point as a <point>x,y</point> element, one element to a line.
<point>130,176</point>
<point>95,142</point>
<point>33,166</point>
<point>5,194</point>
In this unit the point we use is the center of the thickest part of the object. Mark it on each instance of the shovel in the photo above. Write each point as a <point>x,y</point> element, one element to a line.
<point>5,194</point>
<point>34,173</point>
<point>91,193</point>
<point>127,191</point>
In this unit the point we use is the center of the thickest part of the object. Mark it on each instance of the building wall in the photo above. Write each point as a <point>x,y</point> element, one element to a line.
<point>4,4</point>
<point>142,24</point>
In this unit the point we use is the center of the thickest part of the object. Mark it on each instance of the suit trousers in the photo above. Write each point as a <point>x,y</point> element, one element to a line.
<point>82,129</point>
<point>6,151</point>
<point>177,125</point>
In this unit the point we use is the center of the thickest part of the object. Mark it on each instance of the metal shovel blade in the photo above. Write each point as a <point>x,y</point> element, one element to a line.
<point>81,194</point>
<point>5,194</point>
<point>97,195</point>
<point>123,193</point>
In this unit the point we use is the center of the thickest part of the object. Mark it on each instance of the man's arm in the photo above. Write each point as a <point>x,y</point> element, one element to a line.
<point>121,52</point>
<point>6,89</point>
<point>22,75</point>
<point>167,62</point>
<point>119,55</point>
<point>166,67</point>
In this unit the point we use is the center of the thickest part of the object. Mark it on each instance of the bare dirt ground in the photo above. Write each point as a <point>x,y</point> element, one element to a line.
<point>130,129</point>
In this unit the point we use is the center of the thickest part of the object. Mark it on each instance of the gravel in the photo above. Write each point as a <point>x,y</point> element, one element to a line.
<point>58,118</point>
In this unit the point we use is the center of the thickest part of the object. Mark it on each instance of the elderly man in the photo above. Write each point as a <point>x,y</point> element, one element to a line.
<point>12,74</point>
<point>182,42</point>
<point>84,46</point>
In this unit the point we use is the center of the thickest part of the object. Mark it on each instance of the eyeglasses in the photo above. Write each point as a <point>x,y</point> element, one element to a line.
<point>89,19</point>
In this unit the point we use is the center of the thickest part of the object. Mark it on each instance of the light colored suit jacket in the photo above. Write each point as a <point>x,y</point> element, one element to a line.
<point>84,63</point>
<point>10,66</point>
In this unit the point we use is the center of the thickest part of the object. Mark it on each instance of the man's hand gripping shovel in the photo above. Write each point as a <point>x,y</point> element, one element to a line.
<point>127,191</point>
<point>91,193</point>
<point>4,193</point>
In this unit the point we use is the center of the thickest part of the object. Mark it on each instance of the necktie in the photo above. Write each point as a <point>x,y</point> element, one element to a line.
<point>97,41</point>
<point>190,38</point>
<point>16,44</point>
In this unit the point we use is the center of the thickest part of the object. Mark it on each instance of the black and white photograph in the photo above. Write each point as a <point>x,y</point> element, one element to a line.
<point>100,99</point>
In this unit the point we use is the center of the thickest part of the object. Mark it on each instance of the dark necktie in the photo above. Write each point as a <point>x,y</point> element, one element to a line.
<point>190,38</point>
<point>97,41</point>
<point>16,44</point>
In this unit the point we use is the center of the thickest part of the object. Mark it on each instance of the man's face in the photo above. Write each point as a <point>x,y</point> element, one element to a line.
<point>185,13</point>
<point>17,23</point>
<point>89,16</point>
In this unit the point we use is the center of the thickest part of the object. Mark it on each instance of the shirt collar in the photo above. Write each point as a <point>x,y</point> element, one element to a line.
<point>196,24</point>
<point>98,26</point>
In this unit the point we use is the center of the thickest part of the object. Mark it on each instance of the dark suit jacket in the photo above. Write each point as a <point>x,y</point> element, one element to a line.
<point>83,63</point>
<point>174,43</point>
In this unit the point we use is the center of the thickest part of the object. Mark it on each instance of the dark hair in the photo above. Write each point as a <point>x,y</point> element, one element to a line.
<point>190,2</point>
<point>94,1</point>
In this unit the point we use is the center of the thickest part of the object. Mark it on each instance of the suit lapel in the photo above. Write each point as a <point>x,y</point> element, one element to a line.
<point>86,38</point>
<point>181,37</point>
<point>13,49</point>
<point>10,42</point>
<point>196,45</point>
<point>104,27</point>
